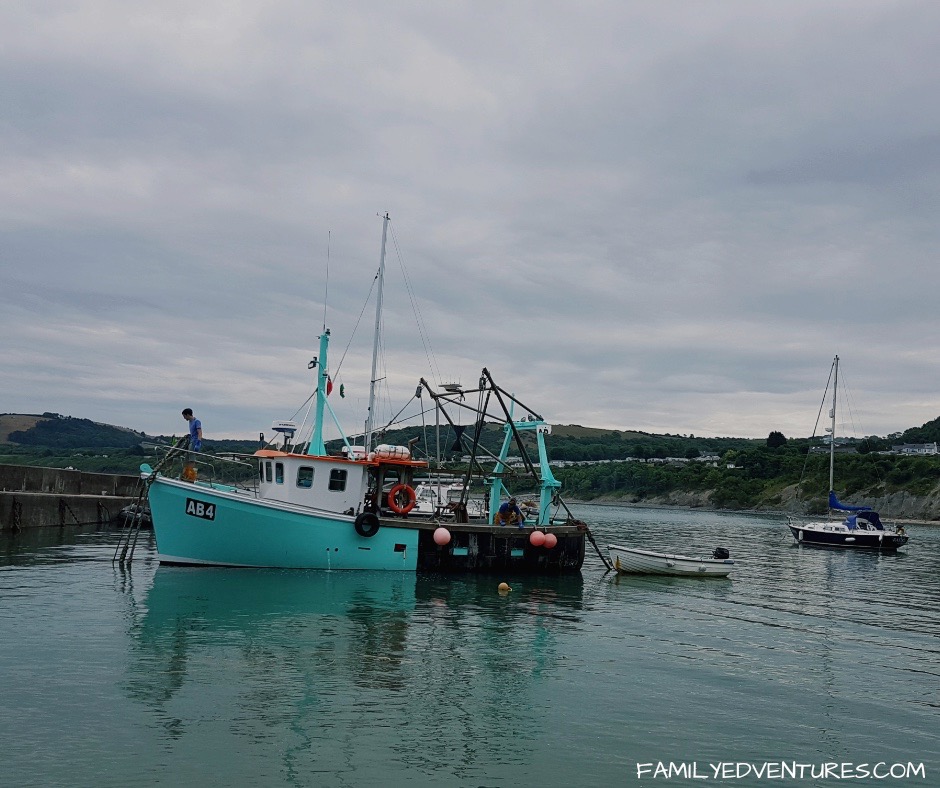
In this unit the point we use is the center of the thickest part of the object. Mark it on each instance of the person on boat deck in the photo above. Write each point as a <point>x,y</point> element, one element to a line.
<point>195,444</point>
<point>195,430</point>
<point>510,513</point>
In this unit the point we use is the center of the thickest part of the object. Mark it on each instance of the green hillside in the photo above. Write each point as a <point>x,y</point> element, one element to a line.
<point>52,430</point>
<point>728,472</point>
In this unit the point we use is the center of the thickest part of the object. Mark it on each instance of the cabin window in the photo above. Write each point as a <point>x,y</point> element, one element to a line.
<point>279,472</point>
<point>305,477</point>
<point>338,479</point>
<point>267,472</point>
<point>261,471</point>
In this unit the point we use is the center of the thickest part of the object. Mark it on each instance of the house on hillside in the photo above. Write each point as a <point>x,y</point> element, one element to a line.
<point>839,449</point>
<point>919,449</point>
<point>709,457</point>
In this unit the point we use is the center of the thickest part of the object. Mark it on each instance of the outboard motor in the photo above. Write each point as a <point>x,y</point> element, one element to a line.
<point>721,554</point>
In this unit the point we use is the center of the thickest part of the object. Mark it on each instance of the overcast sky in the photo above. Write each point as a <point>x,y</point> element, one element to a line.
<point>663,216</point>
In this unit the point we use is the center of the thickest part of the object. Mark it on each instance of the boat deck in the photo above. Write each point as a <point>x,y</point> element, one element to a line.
<point>480,547</point>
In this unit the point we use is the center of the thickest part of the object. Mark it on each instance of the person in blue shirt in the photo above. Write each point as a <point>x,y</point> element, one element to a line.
<point>195,444</point>
<point>195,430</point>
<point>510,513</point>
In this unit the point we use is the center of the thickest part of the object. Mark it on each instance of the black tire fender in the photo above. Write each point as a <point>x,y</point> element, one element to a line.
<point>367,524</point>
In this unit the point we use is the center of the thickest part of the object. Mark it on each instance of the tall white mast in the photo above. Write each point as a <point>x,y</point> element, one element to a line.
<point>832,431</point>
<point>375,345</point>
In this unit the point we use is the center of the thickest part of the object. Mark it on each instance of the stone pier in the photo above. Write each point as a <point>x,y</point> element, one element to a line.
<point>32,497</point>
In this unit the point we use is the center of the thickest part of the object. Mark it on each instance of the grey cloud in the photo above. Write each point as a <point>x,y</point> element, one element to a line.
<point>663,216</point>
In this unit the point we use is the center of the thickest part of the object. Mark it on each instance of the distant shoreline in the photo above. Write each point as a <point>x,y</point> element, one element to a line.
<point>756,512</point>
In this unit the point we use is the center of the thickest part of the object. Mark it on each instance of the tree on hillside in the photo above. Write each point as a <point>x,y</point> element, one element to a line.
<point>870,444</point>
<point>776,439</point>
<point>63,433</point>
<point>928,433</point>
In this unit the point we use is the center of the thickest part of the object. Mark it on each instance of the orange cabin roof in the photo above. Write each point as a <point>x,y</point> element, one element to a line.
<point>275,453</point>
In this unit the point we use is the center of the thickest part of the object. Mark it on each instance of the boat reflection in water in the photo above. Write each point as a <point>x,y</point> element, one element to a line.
<point>279,636</point>
<point>348,665</point>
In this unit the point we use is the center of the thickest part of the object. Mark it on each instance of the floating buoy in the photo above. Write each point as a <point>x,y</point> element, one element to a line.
<point>503,588</point>
<point>537,538</point>
<point>441,536</point>
<point>550,541</point>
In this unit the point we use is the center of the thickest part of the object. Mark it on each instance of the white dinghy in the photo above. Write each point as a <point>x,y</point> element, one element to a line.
<point>630,560</point>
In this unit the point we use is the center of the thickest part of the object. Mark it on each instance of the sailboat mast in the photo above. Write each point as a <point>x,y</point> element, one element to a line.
<point>375,344</point>
<point>832,431</point>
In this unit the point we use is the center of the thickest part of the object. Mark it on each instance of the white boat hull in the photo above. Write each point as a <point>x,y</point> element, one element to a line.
<point>628,560</point>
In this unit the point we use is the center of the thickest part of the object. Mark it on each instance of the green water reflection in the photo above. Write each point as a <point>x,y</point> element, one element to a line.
<point>161,675</point>
<point>340,671</point>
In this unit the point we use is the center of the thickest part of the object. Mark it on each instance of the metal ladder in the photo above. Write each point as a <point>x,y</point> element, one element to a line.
<point>124,550</point>
<point>131,530</point>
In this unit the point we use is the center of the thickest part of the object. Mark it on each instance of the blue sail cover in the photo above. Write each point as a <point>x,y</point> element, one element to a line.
<point>844,507</point>
<point>851,521</point>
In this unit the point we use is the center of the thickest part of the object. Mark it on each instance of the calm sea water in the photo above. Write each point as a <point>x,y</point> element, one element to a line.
<point>171,676</point>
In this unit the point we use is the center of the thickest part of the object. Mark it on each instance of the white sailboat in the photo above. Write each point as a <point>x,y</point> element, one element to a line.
<point>849,527</point>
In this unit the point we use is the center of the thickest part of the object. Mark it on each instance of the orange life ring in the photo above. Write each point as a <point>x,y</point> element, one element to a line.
<point>393,499</point>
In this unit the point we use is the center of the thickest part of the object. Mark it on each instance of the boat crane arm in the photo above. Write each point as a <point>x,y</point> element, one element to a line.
<point>509,420</point>
<point>437,397</point>
<point>451,400</point>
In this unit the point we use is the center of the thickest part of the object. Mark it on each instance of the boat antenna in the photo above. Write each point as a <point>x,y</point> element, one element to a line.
<point>326,286</point>
<point>380,278</point>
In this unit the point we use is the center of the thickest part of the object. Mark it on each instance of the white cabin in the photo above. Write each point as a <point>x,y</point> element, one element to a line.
<point>334,484</point>
<point>330,483</point>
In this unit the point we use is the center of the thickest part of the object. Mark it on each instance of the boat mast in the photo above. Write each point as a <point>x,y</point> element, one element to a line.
<point>317,448</point>
<point>832,430</point>
<point>375,344</point>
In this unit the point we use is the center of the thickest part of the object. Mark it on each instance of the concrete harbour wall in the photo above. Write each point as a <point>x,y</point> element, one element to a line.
<point>32,497</point>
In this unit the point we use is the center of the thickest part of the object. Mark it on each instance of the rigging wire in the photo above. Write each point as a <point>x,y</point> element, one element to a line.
<point>352,335</point>
<point>393,424</point>
<point>850,408</point>
<point>419,319</point>
<point>822,405</point>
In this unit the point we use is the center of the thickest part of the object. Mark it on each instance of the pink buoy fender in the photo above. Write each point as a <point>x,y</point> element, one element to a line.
<point>536,538</point>
<point>550,541</point>
<point>441,536</point>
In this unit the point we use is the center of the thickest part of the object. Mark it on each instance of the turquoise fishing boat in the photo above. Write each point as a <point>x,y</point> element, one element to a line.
<point>356,508</point>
